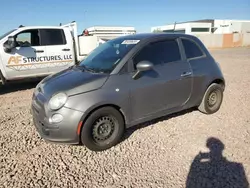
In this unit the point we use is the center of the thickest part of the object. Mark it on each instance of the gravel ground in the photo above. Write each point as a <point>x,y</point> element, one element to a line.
<point>163,154</point>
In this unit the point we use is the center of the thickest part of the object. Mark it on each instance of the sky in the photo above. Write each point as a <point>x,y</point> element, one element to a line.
<point>141,14</point>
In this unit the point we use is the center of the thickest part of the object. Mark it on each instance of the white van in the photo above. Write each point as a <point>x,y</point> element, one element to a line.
<point>37,51</point>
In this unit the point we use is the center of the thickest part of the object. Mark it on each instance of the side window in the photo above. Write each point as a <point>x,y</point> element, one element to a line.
<point>52,37</point>
<point>28,38</point>
<point>159,53</point>
<point>191,49</point>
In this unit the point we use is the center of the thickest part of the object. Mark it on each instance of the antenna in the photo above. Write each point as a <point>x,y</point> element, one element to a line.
<point>174,25</point>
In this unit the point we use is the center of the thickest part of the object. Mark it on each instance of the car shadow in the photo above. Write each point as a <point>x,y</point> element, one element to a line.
<point>17,86</point>
<point>213,170</point>
<point>132,129</point>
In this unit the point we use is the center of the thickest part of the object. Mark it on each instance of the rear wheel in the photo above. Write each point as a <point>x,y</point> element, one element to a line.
<point>212,99</point>
<point>102,129</point>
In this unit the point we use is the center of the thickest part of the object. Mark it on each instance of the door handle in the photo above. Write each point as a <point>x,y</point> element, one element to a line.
<point>185,74</point>
<point>38,51</point>
<point>66,49</point>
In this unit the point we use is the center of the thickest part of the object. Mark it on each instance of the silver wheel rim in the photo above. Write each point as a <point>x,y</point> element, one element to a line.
<point>214,99</point>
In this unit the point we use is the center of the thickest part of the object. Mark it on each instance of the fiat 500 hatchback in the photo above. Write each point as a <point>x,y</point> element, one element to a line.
<point>124,82</point>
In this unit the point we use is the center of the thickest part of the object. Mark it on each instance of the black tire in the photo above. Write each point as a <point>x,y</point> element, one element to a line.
<point>102,129</point>
<point>2,79</point>
<point>212,99</point>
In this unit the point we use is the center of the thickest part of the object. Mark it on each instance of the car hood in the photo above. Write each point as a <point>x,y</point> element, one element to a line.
<point>71,81</point>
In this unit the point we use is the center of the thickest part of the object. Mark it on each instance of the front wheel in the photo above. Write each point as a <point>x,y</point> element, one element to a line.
<point>212,99</point>
<point>102,129</point>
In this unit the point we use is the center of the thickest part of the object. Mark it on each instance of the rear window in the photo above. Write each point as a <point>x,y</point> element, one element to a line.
<point>192,50</point>
<point>52,37</point>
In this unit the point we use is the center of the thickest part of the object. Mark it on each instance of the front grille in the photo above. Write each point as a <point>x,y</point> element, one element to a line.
<point>39,105</point>
<point>40,99</point>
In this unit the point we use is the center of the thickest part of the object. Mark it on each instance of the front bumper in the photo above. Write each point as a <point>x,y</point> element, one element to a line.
<point>63,132</point>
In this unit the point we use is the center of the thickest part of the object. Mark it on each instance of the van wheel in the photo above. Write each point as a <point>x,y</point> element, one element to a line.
<point>212,99</point>
<point>102,129</point>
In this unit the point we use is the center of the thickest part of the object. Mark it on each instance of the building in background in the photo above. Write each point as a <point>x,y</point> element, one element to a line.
<point>206,26</point>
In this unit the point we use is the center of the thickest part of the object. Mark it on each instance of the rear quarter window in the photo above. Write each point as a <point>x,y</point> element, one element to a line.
<point>192,50</point>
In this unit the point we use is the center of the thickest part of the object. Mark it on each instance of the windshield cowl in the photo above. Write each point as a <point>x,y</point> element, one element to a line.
<point>83,68</point>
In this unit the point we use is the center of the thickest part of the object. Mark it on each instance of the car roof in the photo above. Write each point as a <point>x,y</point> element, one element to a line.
<point>142,36</point>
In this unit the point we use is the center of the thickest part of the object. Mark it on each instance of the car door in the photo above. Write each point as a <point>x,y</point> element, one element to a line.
<point>25,59</point>
<point>168,85</point>
<point>177,74</point>
<point>199,63</point>
<point>59,49</point>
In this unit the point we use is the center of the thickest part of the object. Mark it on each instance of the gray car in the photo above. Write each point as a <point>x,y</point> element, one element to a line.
<point>124,82</point>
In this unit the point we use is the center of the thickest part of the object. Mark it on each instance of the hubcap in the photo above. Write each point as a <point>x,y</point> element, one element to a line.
<point>103,128</point>
<point>214,98</point>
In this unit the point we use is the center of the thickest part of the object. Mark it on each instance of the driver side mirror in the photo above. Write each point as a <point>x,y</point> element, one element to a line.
<point>143,66</point>
<point>9,44</point>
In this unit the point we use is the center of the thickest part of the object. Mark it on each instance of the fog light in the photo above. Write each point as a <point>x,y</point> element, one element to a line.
<point>56,118</point>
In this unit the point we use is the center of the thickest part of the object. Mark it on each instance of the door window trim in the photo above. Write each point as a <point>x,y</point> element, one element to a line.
<point>62,32</point>
<point>40,37</point>
<point>192,58</point>
<point>131,68</point>
<point>24,31</point>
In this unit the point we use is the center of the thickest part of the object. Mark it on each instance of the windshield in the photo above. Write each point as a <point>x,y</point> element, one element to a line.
<point>4,35</point>
<point>108,55</point>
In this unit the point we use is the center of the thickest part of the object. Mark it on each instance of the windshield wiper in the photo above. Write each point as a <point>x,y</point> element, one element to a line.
<point>100,70</point>
<point>88,69</point>
<point>77,67</point>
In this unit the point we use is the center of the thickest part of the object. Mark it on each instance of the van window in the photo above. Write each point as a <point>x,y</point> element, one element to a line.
<point>199,29</point>
<point>28,38</point>
<point>159,53</point>
<point>191,49</point>
<point>52,37</point>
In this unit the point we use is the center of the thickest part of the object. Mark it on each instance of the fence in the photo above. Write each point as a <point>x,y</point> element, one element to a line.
<point>225,40</point>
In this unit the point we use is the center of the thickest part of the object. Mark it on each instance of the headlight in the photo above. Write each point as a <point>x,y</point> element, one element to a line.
<point>57,101</point>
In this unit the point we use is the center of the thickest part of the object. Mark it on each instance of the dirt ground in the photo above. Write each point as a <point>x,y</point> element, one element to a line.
<point>163,154</point>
